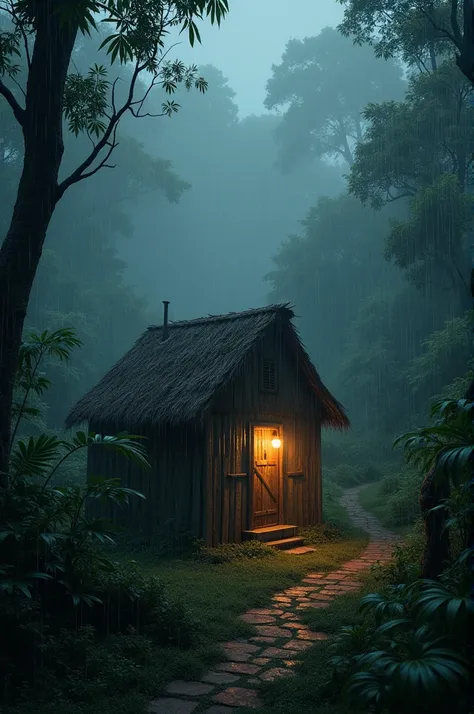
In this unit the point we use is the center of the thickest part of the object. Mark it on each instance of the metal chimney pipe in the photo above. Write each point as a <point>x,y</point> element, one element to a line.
<point>165,320</point>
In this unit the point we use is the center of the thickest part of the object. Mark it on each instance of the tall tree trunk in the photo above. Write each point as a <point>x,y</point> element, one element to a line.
<point>37,196</point>
<point>436,551</point>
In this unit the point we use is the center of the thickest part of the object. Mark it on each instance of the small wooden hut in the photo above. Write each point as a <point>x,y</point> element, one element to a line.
<point>232,409</point>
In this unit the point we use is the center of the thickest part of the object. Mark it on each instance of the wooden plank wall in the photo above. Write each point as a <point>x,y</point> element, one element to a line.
<point>243,403</point>
<point>173,487</point>
<point>189,487</point>
<point>228,497</point>
<point>109,464</point>
<point>228,479</point>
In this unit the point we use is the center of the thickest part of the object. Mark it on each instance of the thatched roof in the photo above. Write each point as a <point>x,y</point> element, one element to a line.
<point>175,381</point>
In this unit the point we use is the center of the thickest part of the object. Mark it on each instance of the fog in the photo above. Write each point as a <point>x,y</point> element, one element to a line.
<point>212,250</point>
<point>164,482</point>
<point>311,171</point>
<point>254,37</point>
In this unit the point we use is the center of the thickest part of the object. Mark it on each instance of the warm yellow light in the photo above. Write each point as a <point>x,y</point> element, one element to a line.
<point>276,442</point>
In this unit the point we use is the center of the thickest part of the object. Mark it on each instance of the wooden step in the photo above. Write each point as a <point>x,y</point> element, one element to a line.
<point>271,533</point>
<point>286,543</point>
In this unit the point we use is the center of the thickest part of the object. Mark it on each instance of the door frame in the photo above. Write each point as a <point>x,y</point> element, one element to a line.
<point>264,425</point>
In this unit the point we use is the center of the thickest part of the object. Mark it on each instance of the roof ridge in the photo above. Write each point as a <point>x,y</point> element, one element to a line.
<point>276,307</point>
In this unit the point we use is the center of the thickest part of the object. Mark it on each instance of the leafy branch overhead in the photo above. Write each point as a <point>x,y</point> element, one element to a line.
<point>448,444</point>
<point>137,41</point>
<point>418,31</point>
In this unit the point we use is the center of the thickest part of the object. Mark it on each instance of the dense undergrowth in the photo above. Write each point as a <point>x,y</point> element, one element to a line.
<point>91,625</point>
<point>405,646</point>
<point>391,487</point>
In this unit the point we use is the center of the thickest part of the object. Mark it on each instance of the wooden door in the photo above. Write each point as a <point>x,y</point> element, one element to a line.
<point>266,478</point>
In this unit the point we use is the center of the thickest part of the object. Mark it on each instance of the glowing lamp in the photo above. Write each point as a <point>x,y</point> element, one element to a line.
<point>276,441</point>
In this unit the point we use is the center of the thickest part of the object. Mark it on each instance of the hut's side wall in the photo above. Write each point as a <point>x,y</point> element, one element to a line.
<point>227,479</point>
<point>173,486</point>
<point>234,413</point>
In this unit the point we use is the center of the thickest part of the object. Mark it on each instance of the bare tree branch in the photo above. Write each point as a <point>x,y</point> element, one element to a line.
<point>102,164</point>
<point>442,30</point>
<point>18,111</point>
<point>107,140</point>
<point>460,275</point>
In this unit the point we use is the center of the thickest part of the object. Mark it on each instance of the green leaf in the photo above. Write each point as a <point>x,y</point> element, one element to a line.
<point>35,456</point>
<point>38,576</point>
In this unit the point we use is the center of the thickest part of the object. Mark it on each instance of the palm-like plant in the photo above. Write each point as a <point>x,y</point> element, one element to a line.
<point>419,656</point>
<point>416,673</point>
<point>448,445</point>
<point>417,659</point>
<point>445,452</point>
<point>45,536</point>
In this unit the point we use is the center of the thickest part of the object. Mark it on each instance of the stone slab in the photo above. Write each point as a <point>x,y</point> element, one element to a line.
<point>276,673</point>
<point>238,697</point>
<point>306,634</point>
<point>167,705</point>
<point>297,645</point>
<point>264,640</point>
<point>278,652</point>
<point>220,678</point>
<point>238,668</point>
<point>252,619</point>
<point>261,661</point>
<point>188,689</point>
<point>240,645</point>
<point>269,631</point>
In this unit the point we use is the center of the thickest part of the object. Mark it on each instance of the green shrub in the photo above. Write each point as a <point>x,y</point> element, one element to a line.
<point>390,484</point>
<point>227,552</point>
<point>54,573</point>
<point>77,671</point>
<point>405,567</point>
<point>347,475</point>
<point>413,654</point>
<point>131,598</point>
<point>396,500</point>
<point>344,475</point>
<point>165,543</point>
<point>349,448</point>
<point>370,474</point>
<point>333,511</point>
<point>402,506</point>
<point>324,533</point>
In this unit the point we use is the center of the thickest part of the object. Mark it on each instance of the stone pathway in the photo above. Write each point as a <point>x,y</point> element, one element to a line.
<point>280,636</point>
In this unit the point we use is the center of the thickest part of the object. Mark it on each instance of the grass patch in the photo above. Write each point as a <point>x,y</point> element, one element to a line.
<point>123,673</point>
<point>218,594</point>
<point>369,499</point>
<point>372,500</point>
<point>334,513</point>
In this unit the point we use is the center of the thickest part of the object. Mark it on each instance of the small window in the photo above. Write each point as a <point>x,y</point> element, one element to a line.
<point>268,376</point>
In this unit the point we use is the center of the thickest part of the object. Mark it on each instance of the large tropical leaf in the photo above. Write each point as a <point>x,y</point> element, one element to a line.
<point>448,444</point>
<point>33,457</point>
<point>453,603</point>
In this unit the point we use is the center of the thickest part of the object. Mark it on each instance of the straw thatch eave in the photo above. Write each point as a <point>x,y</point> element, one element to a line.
<point>175,381</point>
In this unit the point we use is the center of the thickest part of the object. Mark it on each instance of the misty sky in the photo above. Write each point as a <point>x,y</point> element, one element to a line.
<point>253,37</point>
